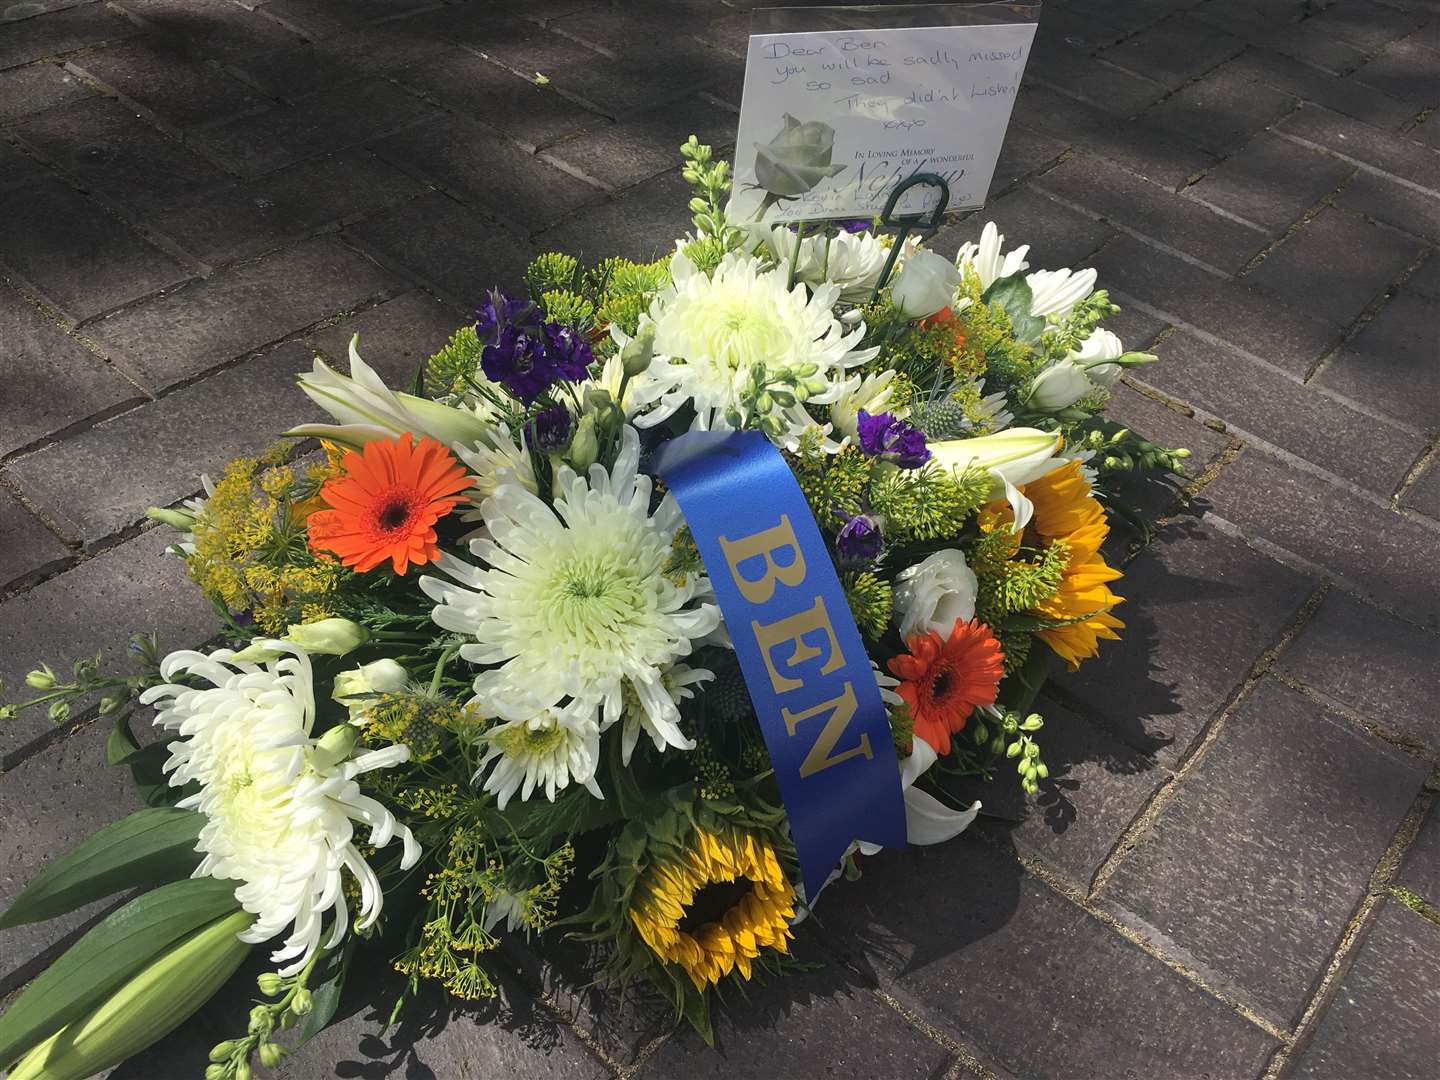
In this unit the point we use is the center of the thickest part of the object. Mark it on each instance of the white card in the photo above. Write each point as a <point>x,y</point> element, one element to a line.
<point>832,120</point>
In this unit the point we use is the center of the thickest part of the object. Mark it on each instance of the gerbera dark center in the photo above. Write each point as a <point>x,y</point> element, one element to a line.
<point>712,902</point>
<point>941,685</point>
<point>393,514</point>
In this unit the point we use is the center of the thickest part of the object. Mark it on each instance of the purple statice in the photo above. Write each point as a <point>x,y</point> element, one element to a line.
<point>550,430</point>
<point>883,435</point>
<point>859,540</point>
<point>500,310</point>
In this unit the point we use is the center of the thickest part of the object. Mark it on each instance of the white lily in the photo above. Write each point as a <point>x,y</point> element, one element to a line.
<point>1059,386</point>
<point>984,258</point>
<point>368,409</point>
<point>1012,457</point>
<point>1054,293</point>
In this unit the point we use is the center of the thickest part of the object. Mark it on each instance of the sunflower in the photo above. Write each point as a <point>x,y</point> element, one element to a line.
<point>715,908</point>
<point>1066,511</point>
<point>386,503</point>
<point>944,679</point>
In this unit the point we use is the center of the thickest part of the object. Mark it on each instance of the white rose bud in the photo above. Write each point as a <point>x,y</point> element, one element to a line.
<point>1059,386</point>
<point>353,688</point>
<point>334,637</point>
<point>926,284</point>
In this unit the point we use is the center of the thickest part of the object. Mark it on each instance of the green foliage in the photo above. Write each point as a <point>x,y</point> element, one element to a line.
<point>551,272</point>
<point>1007,584</point>
<point>622,290</point>
<point>834,485</point>
<point>926,503</point>
<point>450,369</point>
<point>871,602</point>
<point>570,309</point>
<point>147,848</point>
<point>711,181</point>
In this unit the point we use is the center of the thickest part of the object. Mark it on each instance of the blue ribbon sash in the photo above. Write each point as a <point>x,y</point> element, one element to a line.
<point>801,654</point>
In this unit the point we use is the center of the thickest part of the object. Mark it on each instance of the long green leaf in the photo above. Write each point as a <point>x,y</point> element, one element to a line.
<point>325,995</point>
<point>113,951</point>
<point>147,848</point>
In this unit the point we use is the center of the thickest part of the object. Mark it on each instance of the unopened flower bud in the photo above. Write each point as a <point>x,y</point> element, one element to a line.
<point>334,637</point>
<point>242,1071</point>
<point>42,678</point>
<point>270,983</point>
<point>584,447</point>
<point>302,1002</point>
<point>222,1051</point>
<point>180,520</point>
<point>639,350</point>
<point>60,711</point>
<point>260,1021</point>
<point>270,1054</point>
<point>216,1072</point>
<point>334,747</point>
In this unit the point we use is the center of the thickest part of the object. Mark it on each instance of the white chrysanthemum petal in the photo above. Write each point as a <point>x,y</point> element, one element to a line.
<point>278,818</point>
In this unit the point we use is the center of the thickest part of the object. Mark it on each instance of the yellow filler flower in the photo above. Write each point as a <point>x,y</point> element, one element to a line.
<point>714,909</point>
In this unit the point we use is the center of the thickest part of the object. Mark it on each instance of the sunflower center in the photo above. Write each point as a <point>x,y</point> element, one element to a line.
<point>712,902</point>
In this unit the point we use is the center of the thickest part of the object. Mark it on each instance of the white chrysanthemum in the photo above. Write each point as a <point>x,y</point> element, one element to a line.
<point>495,460</point>
<point>711,331</point>
<point>574,603</point>
<point>280,806</point>
<point>985,259</point>
<point>871,393</point>
<point>544,751</point>
<point>1054,293</point>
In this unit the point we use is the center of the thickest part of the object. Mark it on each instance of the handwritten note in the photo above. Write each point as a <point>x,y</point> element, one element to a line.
<point>831,121</point>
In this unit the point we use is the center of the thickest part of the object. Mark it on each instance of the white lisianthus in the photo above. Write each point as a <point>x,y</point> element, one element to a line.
<point>712,331</point>
<point>573,604</point>
<point>333,637</point>
<point>1054,293</point>
<point>544,751</point>
<point>926,284</point>
<point>1058,387</point>
<point>985,259</point>
<point>355,688</point>
<point>1012,457</point>
<point>280,807</point>
<point>1099,346</point>
<point>368,409</point>
<point>935,593</point>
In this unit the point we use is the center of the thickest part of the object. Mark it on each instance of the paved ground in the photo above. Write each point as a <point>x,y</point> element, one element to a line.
<point>1228,875</point>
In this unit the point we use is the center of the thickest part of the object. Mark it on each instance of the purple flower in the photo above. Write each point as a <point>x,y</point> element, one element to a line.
<point>518,362</point>
<point>859,540</point>
<point>550,430</point>
<point>854,225</point>
<point>882,435</point>
<point>568,354</point>
<point>501,310</point>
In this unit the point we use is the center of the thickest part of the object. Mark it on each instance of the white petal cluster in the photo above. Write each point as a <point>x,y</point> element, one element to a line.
<point>280,808</point>
<point>573,610</point>
<point>986,260</point>
<point>935,593</point>
<point>852,262</point>
<point>1054,293</point>
<point>711,331</point>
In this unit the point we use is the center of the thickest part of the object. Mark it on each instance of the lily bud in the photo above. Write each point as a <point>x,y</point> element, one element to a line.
<point>1058,387</point>
<point>334,637</point>
<point>42,678</point>
<point>181,520</point>
<point>258,652</point>
<point>639,350</point>
<point>157,1000</point>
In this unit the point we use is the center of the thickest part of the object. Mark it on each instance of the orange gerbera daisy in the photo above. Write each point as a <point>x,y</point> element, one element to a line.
<point>944,680</point>
<point>386,502</point>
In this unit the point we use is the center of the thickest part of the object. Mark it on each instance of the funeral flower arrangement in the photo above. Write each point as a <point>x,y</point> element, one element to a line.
<point>481,678</point>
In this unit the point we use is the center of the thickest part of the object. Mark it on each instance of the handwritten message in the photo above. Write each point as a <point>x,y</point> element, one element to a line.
<point>831,121</point>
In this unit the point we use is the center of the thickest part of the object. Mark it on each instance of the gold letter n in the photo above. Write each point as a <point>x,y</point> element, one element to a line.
<point>841,709</point>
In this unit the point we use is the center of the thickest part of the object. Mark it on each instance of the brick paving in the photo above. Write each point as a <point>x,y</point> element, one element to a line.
<point>1234,871</point>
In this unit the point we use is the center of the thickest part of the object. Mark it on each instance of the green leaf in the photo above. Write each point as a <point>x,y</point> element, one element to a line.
<point>120,744</point>
<point>1013,294</point>
<point>326,995</point>
<point>697,1010</point>
<point>147,848</point>
<point>106,957</point>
